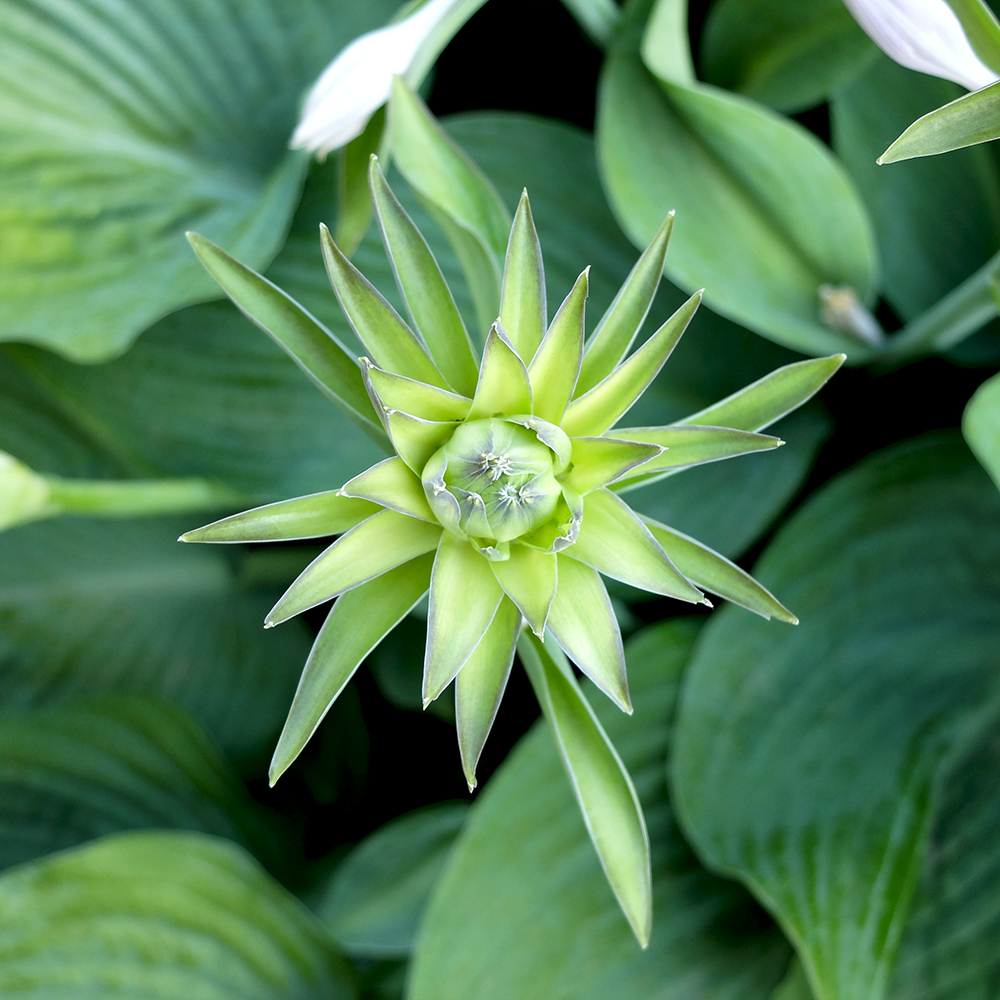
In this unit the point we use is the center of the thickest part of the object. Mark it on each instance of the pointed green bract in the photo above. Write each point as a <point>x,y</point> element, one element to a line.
<point>600,782</point>
<point>397,392</point>
<point>529,579</point>
<point>391,484</point>
<point>311,345</point>
<point>717,574</point>
<point>599,461</point>
<point>423,287</point>
<point>356,624</point>
<point>375,546</point>
<point>313,516</point>
<point>503,380</point>
<point>687,445</point>
<point>584,624</point>
<point>621,323</point>
<point>556,364</point>
<point>464,598</point>
<point>616,543</point>
<point>480,685</point>
<point>522,294</point>
<point>379,327</point>
<point>416,440</point>
<point>600,408</point>
<point>767,400</point>
<point>455,191</point>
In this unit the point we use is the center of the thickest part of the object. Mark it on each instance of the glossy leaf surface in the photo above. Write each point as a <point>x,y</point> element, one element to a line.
<point>981,426</point>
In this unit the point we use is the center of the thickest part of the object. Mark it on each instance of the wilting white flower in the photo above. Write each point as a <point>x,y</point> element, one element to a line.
<point>359,80</point>
<point>924,35</point>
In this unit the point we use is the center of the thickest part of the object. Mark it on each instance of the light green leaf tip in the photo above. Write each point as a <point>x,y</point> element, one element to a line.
<point>522,295</point>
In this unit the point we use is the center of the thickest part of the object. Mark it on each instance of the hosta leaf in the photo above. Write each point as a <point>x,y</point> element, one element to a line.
<point>303,517</point>
<point>121,127</point>
<point>604,405</point>
<point>616,543</point>
<point>556,364</point>
<point>392,344</point>
<point>855,716</point>
<point>480,685</point>
<point>523,909</point>
<point>789,56</point>
<point>981,426</point>
<point>165,914</point>
<point>356,624</point>
<point>74,772</point>
<point>456,192</point>
<point>936,220</point>
<point>620,325</point>
<point>378,893</point>
<point>391,484</point>
<point>583,622</point>
<point>464,598</point>
<point>313,348</point>
<point>523,312</point>
<point>380,543</point>
<point>765,214</point>
<point>717,574</point>
<point>423,287</point>
<point>71,591</point>
<point>602,786</point>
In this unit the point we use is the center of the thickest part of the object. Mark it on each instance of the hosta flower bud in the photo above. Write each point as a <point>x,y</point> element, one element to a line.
<point>924,35</point>
<point>493,480</point>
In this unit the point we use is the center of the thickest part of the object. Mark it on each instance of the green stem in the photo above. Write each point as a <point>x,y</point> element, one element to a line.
<point>959,314</point>
<point>136,497</point>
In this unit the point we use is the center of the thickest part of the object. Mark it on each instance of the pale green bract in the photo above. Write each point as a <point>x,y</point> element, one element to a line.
<point>502,499</point>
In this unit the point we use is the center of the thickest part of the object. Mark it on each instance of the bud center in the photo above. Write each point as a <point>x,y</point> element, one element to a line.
<point>493,480</point>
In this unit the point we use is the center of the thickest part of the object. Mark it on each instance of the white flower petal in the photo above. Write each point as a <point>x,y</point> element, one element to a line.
<point>359,80</point>
<point>924,35</point>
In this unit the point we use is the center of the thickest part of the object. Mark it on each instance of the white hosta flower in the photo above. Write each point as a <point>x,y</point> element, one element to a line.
<point>924,35</point>
<point>359,80</point>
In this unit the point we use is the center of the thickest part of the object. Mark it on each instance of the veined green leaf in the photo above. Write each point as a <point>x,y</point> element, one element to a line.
<point>310,344</point>
<point>716,574</point>
<point>391,484</point>
<point>620,325</point>
<point>162,914</point>
<point>424,289</point>
<point>555,366</point>
<point>981,426</point>
<point>428,402</point>
<point>464,598</point>
<point>584,624</point>
<point>600,782</point>
<point>459,195</point>
<point>357,623</point>
<point>604,405</point>
<point>379,327</point>
<point>523,312</point>
<point>503,380</point>
<point>768,399</point>
<point>376,898</point>
<point>685,446</point>
<point>971,119</point>
<point>528,578</point>
<point>598,461</point>
<point>614,541</point>
<point>375,546</point>
<point>480,685</point>
<point>304,517</point>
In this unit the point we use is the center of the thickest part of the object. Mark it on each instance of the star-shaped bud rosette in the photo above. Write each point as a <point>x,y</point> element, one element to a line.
<point>503,497</point>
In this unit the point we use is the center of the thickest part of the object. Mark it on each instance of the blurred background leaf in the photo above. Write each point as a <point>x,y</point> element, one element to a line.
<point>122,126</point>
<point>524,911</point>
<point>171,915</point>
<point>808,760</point>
